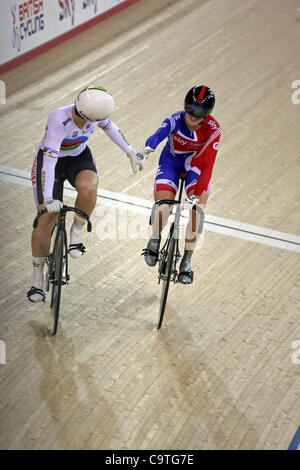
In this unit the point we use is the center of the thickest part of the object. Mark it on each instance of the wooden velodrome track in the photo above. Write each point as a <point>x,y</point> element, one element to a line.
<point>223,372</point>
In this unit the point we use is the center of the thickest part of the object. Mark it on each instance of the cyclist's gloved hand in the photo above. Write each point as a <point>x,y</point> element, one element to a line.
<point>53,205</point>
<point>146,151</point>
<point>192,200</point>
<point>136,159</point>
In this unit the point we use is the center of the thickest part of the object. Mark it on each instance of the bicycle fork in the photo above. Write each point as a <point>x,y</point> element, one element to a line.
<point>176,241</point>
<point>50,275</point>
<point>174,238</point>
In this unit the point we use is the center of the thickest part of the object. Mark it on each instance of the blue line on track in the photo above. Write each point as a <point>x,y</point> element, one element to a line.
<point>295,441</point>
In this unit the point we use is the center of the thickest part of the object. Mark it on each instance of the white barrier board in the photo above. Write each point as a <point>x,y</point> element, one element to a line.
<point>26,25</point>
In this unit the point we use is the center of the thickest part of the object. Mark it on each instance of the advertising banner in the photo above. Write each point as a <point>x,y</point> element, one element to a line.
<point>26,25</point>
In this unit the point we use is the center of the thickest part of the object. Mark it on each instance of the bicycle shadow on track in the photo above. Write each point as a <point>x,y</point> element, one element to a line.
<point>41,330</point>
<point>69,391</point>
<point>212,408</point>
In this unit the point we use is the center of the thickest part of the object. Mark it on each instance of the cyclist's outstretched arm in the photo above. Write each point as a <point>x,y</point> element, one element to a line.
<point>115,134</point>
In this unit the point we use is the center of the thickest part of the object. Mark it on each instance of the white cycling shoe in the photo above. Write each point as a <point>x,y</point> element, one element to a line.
<point>76,247</point>
<point>36,295</point>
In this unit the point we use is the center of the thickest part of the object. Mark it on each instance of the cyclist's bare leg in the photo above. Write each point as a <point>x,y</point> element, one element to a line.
<point>41,235</point>
<point>192,235</point>
<point>86,184</point>
<point>159,221</point>
<point>162,212</point>
<point>40,244</point>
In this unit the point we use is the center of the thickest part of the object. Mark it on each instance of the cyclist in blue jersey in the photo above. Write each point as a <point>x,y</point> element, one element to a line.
<point>192,143</point>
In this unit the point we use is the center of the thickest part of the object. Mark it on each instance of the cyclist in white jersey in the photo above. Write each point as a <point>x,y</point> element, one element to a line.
<point>64,154</point>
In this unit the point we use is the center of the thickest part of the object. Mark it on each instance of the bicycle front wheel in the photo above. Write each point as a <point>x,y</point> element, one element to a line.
<point>166,281</point>
<point>57,281</point>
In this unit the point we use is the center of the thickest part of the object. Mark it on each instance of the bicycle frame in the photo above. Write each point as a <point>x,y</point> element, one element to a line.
<point>60,227</point>
<point>169,254</point>
<point>173,232</point>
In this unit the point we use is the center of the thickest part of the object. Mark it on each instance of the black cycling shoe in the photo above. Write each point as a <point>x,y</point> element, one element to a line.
<point>186,277</point>
<point>151,252</point>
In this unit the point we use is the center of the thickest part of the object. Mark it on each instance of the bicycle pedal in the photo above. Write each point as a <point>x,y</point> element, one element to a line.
<point>56,283</point>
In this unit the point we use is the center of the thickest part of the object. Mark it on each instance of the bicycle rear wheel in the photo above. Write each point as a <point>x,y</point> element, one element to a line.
<point>166,281</point>
<point>57,281</point>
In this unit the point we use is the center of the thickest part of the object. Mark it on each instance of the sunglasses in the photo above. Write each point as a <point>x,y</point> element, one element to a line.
<point>196,110</point>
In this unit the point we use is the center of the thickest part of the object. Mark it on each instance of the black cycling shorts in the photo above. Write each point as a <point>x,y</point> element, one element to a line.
<point>67,168</point>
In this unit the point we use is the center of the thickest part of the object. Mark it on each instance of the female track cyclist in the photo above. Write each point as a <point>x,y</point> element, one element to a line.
<point>193,141</point>
<point>63,155</point>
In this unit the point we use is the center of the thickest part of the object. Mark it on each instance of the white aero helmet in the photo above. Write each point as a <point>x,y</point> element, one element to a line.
<point>94,103</point>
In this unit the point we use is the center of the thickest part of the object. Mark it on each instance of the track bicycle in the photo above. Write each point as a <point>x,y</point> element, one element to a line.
<point>57,258</point>
<point>169,254</point>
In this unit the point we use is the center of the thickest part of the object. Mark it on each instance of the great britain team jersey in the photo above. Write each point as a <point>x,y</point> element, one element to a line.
<point>63,138</point>
<point>199,148</point>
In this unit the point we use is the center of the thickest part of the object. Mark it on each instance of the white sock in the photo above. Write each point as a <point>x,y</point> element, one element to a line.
<point>38,276</point>
<point>76,234</point>
<point>38,271</point>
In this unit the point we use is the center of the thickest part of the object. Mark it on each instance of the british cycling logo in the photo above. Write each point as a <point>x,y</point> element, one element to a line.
<point>27,20</point>
<point>67,10</point>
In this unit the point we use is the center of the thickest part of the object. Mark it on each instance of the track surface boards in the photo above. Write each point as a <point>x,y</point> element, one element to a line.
<point>222,372</point>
